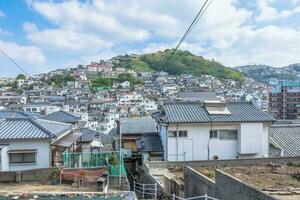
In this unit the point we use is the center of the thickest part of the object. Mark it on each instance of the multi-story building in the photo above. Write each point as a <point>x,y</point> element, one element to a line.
<point>99,67</point>
<point>284,100</point>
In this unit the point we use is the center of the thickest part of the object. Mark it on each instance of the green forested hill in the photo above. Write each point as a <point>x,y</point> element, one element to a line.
<point>182,62</point>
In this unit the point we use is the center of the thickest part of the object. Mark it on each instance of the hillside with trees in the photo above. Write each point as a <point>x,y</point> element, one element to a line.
<point>183,62</point>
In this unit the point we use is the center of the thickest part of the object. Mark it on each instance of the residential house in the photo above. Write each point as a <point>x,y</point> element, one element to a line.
<point>213,130</point>
<point>64,117</point>
<point>25,143</point>
<point>133,129</point>
<point>40,108</point>
<point>151,147</point>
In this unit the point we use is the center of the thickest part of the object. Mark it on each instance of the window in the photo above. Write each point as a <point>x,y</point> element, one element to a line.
<point>172,134</point>
<point>15,158</point>
<point>213,134</point>
<point>182,133</point>
<point>228,134</point>
<point>28,109</point>
<point>33,109</point>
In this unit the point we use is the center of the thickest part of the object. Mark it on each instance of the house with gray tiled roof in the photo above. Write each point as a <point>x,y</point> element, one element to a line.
<point>284,140</point>
<point>25,143</point>
<point>133,129</point>
<point>63,116</point>
<point>213,130</point>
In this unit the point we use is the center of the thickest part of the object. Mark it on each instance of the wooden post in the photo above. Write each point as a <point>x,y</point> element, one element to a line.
<point>143,190</point>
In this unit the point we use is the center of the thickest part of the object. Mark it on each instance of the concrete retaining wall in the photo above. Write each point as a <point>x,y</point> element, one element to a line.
<point>231,188</point>
<point>34,175</point>
<point>6,177</point>
<point>225,187</point>
<point>196,184</point>
<point>233,162</point>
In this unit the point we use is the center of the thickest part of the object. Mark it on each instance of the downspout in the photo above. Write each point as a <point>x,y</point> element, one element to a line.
<point>177,134</point>
<point>208,147</point>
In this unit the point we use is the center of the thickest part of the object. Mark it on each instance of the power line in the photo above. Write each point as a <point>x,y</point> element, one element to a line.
<point>23,70</point>
<point>194,22</point>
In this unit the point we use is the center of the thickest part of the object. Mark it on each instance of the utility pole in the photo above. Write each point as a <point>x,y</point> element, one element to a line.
<point>120,156</point>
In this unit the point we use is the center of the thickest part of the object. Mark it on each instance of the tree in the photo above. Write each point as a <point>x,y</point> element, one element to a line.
<point>21,76</point>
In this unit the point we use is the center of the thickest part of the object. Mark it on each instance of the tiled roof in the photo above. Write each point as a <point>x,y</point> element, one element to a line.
<point>56,128</point>
<point>23,128</point>
<point>87,135</point>
<point>197,96</point>
<point>138,125</point>
<point>287,138</point>
<point>63,116</point>
<point>15,114</point>
<point>150,143</point>
<point>195,112</point>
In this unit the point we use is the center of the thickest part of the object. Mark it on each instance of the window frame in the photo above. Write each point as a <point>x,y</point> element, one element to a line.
<point>228,134</point>
<point>213,134</point>
<point>172,134</point>
<point>181,135</point>
<point>34,154</point>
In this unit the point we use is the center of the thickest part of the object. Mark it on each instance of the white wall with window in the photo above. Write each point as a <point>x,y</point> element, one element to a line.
<point>23,155</point>
<point>216,141</point>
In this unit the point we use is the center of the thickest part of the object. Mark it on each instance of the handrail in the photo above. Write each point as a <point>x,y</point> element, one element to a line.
<point>205,196</point>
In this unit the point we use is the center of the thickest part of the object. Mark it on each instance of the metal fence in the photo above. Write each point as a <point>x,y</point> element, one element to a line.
<point>95,159</point>
<point>147,191</point>
<point>203,197</point>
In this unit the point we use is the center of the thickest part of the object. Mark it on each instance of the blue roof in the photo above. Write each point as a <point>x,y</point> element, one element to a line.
<point>62,116</point>
<point>193,112</point>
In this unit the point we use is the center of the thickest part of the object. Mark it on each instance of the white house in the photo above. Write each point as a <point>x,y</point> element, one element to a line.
<point>40,108</point>
<point>213,130</point>
<point>25,142</point>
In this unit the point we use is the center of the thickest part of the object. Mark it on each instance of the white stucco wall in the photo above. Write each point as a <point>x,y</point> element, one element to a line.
<point>198,145</point>
<point>43,155</point>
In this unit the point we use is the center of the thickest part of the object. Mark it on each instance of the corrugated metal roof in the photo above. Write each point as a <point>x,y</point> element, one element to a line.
<point>23,128</point>
<point>194,112</point>
<point>138,125</point>
<point>68,140</point>
<point>287,138</point>
<point>63,116</point>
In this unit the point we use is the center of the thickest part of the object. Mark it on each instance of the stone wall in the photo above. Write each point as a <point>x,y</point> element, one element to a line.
<point>6,177</point>
<point>196,184</point>
<point>34,175</point>
<point>232,162</point>
<point>231,188</point>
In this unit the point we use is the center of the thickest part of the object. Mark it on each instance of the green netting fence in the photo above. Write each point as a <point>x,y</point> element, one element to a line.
<point>94,160</point>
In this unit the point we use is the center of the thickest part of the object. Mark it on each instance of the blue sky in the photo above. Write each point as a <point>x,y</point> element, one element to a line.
<point>43,35</point>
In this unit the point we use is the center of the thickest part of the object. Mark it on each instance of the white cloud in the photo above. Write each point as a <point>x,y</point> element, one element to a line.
<point>60,39</point>
<point>29,57</point>
<point>269,13</point>
<point>94,29</point>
